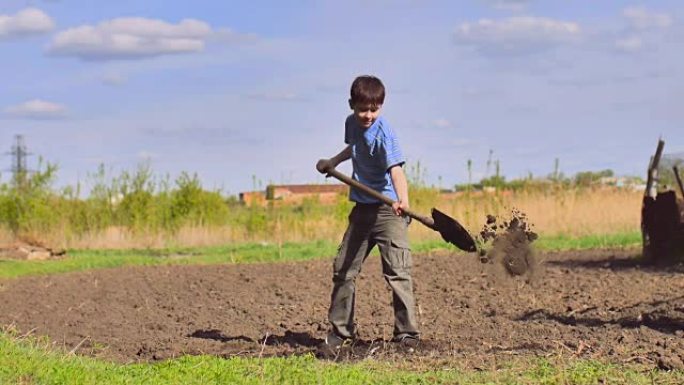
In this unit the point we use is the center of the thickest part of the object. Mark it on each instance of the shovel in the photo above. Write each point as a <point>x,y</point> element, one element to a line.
<point>450,230</point>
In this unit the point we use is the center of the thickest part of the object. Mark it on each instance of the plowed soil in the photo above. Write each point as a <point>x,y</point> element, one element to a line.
<point>590,304</point>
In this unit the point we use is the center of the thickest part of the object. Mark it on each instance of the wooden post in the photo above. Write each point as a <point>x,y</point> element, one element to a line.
<point>679,180</point>
<point>647,204</point>
<point>653,168</point>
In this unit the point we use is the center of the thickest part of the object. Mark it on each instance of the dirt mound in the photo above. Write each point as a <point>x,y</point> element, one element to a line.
<point>593,304</point>
<point>30,251</point>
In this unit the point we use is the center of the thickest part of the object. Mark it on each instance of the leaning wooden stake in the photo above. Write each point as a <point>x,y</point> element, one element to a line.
<point>653,169</point>
<point>649,197</point>
<point>679,180</point>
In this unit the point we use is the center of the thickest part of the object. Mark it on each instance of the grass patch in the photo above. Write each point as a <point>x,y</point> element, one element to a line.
<point>78,260</point>
<point>602,241</point>
<point>36,361</point>
<point>555,243</point>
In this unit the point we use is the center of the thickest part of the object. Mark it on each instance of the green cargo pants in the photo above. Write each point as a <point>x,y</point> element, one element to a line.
<point>371,225</point>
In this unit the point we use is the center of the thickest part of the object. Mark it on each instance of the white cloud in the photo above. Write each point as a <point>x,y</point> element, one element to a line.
<point>227,35</point>
<point>131,38</point>
<point>147,155</point>
<point>442,123</point>
<point>114,79</point>
<point>37,109</point>
<point>522,34</point>
<point>275,96</point>
<point>643,29</point>
<point>642,18</point>
<point>629,44</point>
<point>509,5</point>
<point>461,143</point>
<point>29,21</point>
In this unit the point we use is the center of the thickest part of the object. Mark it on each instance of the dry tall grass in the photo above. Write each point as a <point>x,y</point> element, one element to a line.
<point>570,212</point>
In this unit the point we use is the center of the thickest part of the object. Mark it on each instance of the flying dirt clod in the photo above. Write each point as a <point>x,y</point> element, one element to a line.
<point>510,243</point>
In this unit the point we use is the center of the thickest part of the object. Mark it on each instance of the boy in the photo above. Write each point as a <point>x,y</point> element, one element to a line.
<point>377,162</point>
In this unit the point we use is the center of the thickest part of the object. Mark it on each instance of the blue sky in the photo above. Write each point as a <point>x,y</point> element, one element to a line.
<point>232,90</point>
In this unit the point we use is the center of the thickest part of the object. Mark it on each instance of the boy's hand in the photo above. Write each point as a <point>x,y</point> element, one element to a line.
<point>324,165</point>
<point>399,206</point>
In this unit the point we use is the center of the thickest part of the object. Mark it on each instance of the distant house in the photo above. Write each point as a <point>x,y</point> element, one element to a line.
<point>295,193</point>
<point>250,198</point>
<point>623,182</point>
<point>609,180</point>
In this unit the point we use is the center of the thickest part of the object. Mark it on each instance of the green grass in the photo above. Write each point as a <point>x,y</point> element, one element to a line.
<point>36,361</point>
<point>97,259</point>
<point>266,252</point>
<point>557,242</point>
<point>561,242</point>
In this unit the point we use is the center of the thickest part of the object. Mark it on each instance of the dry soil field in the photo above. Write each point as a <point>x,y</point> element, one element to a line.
<point>590,304</point>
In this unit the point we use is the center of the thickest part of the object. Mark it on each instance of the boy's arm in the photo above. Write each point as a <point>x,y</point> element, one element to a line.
<point>401,187</point>
<point>325,164</point>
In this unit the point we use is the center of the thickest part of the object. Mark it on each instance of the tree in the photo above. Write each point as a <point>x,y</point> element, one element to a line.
<point>587,178</point>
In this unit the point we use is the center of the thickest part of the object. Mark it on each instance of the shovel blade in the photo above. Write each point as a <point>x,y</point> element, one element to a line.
<point>452,231</point>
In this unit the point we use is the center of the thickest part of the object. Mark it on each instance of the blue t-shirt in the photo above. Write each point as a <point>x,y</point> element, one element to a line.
<point>374,151</point>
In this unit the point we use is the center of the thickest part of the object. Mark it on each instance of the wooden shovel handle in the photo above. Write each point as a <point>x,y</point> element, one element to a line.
<point>427,221</point>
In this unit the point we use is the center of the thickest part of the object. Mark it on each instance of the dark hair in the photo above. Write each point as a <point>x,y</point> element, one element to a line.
<point>367,89</point>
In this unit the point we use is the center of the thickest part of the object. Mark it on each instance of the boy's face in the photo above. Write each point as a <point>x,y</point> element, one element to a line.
<point>365,114</point>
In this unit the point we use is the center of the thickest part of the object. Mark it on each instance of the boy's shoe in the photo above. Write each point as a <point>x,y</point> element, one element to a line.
<point>333,344</point>
<point>407,341</point>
